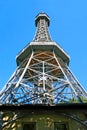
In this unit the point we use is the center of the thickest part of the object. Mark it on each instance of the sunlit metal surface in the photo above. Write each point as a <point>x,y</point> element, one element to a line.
<point>42,78</point>
<point>42,75</point>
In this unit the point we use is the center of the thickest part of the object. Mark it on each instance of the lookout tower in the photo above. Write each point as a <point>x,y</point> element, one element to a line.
<point>41,85</point>
<point>42,75</point>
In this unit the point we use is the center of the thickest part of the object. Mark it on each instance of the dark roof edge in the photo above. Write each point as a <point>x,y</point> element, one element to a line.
<point>61,107</point>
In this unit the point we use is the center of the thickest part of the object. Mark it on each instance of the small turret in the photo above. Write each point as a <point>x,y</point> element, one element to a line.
<point>42,16</point>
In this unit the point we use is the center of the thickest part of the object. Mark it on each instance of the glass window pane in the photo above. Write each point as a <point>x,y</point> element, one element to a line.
<point>60,126</point>
<point>29,126</point>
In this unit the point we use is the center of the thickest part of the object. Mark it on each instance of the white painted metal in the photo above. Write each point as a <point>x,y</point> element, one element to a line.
<point>42,80</point>
<point>42,75</point>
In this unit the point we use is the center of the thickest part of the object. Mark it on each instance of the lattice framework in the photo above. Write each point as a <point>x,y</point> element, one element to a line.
<point>42,78</point>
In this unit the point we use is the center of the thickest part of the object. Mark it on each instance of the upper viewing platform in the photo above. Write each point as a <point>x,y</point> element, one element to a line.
<point>42,22</point>
<point>42,41</point>
<point>42,16</point>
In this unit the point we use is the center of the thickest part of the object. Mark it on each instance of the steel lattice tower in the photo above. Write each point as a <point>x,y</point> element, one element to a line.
<point>42,75</point>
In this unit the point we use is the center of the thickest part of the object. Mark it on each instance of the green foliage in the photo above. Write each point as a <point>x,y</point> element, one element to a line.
<point>76,100</point>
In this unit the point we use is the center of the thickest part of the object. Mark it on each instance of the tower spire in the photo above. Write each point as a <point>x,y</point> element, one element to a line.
<point>42,22</point>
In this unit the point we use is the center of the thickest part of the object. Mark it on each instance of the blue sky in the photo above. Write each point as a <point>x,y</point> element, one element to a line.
<point>68,28</point>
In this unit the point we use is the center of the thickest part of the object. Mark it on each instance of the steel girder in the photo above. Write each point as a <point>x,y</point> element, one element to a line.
<point>42,78</point>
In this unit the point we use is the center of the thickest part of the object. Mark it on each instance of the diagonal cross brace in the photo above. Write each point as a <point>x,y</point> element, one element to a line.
<point>24,71</point>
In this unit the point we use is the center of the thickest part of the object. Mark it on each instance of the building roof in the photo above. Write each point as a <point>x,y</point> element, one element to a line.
<point>60,107</point>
